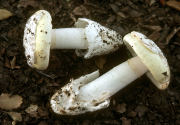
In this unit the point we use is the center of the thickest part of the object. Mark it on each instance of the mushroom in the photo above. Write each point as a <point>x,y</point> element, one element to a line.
<point>88,38</point>
<point>91,92</point>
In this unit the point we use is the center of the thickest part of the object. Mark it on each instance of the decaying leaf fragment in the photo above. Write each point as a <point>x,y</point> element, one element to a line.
<point>15,116</point>
<point>4,14</point>
<point>9,102</point>
<point>32,110</point>
<point>100,61</point>
<point>174,4</point>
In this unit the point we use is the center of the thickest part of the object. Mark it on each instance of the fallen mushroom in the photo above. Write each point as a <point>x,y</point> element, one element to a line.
<point>88,38</point>
<point>91,92</point>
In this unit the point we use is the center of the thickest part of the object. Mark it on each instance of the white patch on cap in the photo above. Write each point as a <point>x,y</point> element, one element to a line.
<point>148,43</point>
<point>101,40</point>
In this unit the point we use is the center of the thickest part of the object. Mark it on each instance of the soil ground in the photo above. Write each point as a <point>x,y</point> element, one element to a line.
<point>141,103</point>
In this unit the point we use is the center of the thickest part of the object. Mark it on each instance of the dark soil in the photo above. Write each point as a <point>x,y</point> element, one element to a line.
<point>142,102</point>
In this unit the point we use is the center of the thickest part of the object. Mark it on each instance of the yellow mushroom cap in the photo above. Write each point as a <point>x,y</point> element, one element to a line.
<point>37,38</point>
<point>152,57</point>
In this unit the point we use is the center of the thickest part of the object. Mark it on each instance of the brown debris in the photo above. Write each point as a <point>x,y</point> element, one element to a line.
<point>121,14</point>
<point>151,2</point>
<point>171,35</point>
<point>43,123</point>
<point>178,34</point>
<point>4,14</point>
<point>100,61</point>
<point>154,36</point>
<point>26,3</point>
<point>2,52</point>
<point>153,27</point>
<point>141,110</point>
<point>164,34</point>
<point>42,112</point>
<point>32,110</point>
<point>114,7</point>
<point>15,116</point>
<point>125,121</point>
<point>7,63</point>
<point>36,111</point>
<point>132,114</point>
<point>80,11</point>
<point>52,76</point>
<point>174,4</point>
<point>111,19</point>
<point>121,108</point>
<point>9,102</point>
<point>13,63</point>
<point>162,2</point>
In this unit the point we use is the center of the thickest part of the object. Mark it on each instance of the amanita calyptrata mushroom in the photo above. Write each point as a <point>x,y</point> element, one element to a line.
<point>91,92</point>
<point>89,36</point>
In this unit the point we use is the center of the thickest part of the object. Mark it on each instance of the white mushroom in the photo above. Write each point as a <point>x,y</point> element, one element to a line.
<point>88,38</point>
<point>91,92</point>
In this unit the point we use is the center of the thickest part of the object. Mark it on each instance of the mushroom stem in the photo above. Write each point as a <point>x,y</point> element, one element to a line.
<point>111,82</point>
<point>68,38</point>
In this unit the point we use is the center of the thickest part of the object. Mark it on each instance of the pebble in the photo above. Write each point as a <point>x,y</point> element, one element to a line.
<point>125,121</point>
<point>141,110</point>
<point>121,108</point>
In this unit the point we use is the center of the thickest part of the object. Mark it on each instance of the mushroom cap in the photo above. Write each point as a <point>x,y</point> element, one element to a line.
<point>101,40</point>
<point>37,38</point>
<point>152,57</point>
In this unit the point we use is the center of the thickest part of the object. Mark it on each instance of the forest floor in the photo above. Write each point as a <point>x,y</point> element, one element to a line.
<point>141,103</point>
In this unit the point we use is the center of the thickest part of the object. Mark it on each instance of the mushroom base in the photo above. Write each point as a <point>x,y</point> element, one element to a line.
<point>67,102</point>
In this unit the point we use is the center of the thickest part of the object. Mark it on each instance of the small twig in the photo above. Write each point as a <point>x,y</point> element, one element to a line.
<point>169,103</point>
<point>170,36</point>
<point>5,38</point>
<point>52,76</point>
